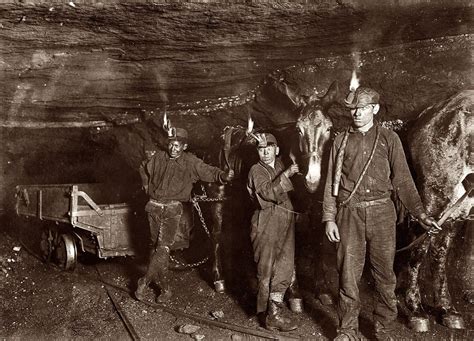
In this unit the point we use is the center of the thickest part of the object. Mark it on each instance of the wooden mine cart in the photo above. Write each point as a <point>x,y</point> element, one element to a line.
<point>84,217</point>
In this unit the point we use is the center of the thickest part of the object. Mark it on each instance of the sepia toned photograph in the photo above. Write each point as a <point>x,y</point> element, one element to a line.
<point>236,170</point>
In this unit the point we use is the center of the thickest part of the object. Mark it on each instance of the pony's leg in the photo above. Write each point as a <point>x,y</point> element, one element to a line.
<point>442,298</point>
<point>294,295</point>
<point>418,320</point>
<point>325,270</point>
<point>217,219</point>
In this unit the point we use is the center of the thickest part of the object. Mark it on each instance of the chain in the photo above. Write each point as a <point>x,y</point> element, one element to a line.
<point>189,265</point>
<point>195,201</point>
<point>204,198</point>
<point>201,217</point>
<point>204,225</point>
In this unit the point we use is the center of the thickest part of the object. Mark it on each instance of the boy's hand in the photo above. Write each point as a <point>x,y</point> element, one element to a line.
<point>292,170</point>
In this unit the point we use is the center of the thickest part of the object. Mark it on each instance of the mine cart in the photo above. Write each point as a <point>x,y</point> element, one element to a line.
<point>78,218</point>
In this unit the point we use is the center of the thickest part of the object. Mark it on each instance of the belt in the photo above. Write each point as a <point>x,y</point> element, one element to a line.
<point>162,203</point>
<point>364,204</point>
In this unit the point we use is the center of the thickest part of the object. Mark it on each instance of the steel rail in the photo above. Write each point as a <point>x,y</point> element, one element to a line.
<point>126,322</point>
<point>203,320</point>
<point>175,312</point>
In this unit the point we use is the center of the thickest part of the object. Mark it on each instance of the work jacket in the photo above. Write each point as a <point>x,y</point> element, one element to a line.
<point>388,171</point>
<point>268,188</point>
<point>173,179</point>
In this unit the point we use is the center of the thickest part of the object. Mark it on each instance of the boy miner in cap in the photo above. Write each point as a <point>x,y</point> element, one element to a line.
<point>169,181</point>
<point>367,163</point>
<point>272,232</point>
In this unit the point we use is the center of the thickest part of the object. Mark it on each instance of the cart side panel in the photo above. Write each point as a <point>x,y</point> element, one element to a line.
<point>115,230</point>
<point>45,202</point>
<point>53,201</point>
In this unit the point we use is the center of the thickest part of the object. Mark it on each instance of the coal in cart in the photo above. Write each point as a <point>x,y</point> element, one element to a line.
<point>81,218</point>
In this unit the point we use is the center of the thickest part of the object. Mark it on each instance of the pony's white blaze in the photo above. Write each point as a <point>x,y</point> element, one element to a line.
<point>314,171</point>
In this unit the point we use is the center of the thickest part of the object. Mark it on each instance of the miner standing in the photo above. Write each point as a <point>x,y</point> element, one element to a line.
<point>367,163</point>
<point>272,232</point>
<point>170,176</point>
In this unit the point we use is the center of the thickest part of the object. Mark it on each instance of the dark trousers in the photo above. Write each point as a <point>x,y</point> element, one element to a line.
<point>372,230</point>
<point>164,222</point>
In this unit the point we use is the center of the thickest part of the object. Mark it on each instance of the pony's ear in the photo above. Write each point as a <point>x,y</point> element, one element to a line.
<point>333,95</point>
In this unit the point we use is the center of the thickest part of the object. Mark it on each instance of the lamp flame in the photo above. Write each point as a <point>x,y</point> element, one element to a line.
<point>165,121</point>
<point>250,125</point>
<point>167,125</point>
<point>354,81</point>
<point>250,133</point>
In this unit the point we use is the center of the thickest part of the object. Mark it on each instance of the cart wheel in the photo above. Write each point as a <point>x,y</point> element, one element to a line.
<point>66,252</point>
<point>46,245</point>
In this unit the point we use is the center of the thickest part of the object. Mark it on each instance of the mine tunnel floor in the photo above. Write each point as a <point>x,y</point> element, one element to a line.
<point>43,302</point>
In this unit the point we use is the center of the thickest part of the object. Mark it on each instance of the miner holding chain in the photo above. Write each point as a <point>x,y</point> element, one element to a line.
<point>169,179</point>
<point>367,165</point>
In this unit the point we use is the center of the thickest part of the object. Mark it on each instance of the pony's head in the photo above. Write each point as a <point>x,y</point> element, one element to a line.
<point>314,128</point>
<point>314,132</point>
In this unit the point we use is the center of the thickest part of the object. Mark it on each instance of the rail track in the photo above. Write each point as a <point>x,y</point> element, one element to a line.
<point>112,290</point>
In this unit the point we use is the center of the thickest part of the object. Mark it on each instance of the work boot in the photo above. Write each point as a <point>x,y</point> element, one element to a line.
<point>141,287</point>
<point>383,333</point>
<point>347,335</point>
<point>451,318</point>
<point>383,336</point>
<point>274,320</point>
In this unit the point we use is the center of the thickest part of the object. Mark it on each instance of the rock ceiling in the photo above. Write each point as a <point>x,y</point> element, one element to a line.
<point>93,65</point>
<point>114,69</point>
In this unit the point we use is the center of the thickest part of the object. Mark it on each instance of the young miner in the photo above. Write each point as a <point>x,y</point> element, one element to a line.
<point>169,180</point>
<point>272,232</point>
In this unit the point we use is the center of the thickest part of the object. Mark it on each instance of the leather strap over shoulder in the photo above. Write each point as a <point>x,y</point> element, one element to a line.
<point>366,167</point>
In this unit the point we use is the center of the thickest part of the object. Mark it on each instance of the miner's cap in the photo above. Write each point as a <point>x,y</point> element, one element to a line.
<point>179,134</point>
<point>266,139</point>
<point>362,97</point>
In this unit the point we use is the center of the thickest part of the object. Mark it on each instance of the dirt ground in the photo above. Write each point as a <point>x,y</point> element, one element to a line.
<point>40,301</point>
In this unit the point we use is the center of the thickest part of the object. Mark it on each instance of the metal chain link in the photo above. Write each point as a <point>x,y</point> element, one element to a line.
<point>195,201</point>
<point>189,265</point>
<point>204,199</point>
<point>201,217</point>
<point>204,225</point>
